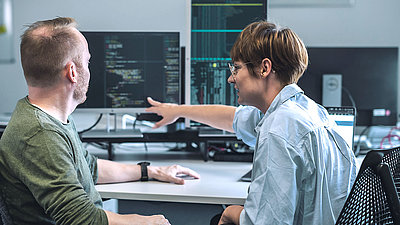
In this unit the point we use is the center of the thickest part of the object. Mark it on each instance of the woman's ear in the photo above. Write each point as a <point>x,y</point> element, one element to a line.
<point>266,66</point>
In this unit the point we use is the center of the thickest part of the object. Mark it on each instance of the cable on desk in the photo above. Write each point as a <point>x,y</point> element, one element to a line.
<point>134,123</point>
<point>350,97</point>
<point>357,150</point>
<point>389,136</point>
<point>91,127</point>
<point>353,103</point>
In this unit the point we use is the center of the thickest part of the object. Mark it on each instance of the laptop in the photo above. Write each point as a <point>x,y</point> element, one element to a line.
<point>344,117</point>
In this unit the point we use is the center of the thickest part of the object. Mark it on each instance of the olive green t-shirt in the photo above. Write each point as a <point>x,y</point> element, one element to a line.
<point>46,175</point>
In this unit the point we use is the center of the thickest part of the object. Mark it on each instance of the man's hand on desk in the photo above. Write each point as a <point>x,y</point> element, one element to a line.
<point>115,172</point>
<point>171,173</point>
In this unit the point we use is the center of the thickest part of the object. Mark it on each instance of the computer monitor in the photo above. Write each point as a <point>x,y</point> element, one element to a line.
<point>369,75</point>
<point>126,67</point>
<point>215,27</point>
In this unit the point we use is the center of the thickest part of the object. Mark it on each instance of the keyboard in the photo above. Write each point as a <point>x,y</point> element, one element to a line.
<point>233,157</point>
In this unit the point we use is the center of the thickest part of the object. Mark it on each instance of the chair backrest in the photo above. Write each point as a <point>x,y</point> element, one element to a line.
<point>5,219</point>
<point>374,197</point>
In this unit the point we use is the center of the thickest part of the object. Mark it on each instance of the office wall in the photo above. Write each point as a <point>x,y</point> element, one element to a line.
<point>368,23</point>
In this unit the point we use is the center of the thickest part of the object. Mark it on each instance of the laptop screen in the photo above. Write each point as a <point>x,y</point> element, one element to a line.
<point>345,121</point>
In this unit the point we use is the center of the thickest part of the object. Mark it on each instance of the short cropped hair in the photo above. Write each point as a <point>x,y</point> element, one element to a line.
<point>46,46</point>
<point>260,40</point>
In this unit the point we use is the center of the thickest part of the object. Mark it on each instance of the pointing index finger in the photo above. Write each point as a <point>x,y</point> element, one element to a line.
<point>152,101</point>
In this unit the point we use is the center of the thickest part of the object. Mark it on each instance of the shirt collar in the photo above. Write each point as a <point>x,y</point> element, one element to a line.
<point>285,94</point>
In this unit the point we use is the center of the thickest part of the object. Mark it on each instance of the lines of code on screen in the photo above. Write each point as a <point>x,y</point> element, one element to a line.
<point>126,67</point>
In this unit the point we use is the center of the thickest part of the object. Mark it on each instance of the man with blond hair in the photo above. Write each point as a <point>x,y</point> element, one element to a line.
<point>46,175</point>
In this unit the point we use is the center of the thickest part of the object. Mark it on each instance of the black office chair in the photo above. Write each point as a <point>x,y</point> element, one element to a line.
<point>374,197</point>
<point>5,219</point>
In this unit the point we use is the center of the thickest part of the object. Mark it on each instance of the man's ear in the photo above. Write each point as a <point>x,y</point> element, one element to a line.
<point>71,72</point>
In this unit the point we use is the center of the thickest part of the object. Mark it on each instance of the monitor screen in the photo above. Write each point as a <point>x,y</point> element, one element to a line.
<point>126,67</point>
<point>369,76</point>
<point>215,27</point>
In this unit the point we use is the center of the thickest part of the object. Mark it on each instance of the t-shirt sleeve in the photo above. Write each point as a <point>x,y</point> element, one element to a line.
<point>48,169</point>
<point>90,159</point>
<point>92,162</point>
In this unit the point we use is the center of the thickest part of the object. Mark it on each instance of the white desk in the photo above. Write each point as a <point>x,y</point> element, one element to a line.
<point>219,184</point>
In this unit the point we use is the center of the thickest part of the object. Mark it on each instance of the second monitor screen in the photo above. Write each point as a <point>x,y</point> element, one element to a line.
<point>126,67</point>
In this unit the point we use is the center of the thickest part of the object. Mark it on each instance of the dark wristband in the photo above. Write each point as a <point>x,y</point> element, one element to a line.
<point>143,168</point>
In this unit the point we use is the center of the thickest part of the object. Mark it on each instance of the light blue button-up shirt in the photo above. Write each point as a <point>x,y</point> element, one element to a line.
<point>303,169</point>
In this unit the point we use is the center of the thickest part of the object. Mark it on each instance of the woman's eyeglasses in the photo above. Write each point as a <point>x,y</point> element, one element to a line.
<point>235,68</point>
